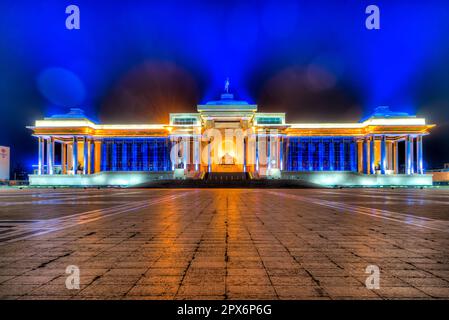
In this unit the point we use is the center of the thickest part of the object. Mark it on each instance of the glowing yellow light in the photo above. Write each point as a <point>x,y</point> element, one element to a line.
<point>396,122</point>
<point>369,122</point>
<point>326,125</point>
<point>87,123</point>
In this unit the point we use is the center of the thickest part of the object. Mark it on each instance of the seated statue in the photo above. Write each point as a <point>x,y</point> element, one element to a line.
<point>227,159</point>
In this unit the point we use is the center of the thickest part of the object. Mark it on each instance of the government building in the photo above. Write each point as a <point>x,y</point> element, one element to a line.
<point>230,136</point>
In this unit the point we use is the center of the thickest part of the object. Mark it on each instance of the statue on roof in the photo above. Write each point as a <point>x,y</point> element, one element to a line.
<point>226,87</point>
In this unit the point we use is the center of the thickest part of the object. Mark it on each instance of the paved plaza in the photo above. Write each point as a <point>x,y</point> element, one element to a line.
<point>224,243</point>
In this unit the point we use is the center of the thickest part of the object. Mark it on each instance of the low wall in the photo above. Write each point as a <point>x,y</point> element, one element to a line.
<point>100,179</point>
<point>347,178</point>
<point>323,178</point>
<point>441,176</point>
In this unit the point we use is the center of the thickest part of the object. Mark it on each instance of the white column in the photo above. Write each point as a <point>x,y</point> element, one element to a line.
<point>372,155</point>
<point>269,150</point>
<point>419,153</point>
<point>209,162</point>
<point>89,157</point>
<point>273,151</point>
<point>411,154</point>
<point>50,155</point>
<point>390,155</point>
<point>281,153</point>
<point>383,154</point>
<point>63,158</point>
<point>257,152</point>
<point>75,155</point>
<point>196,151</point>
<point>408,155</point>
<point>396,157</point>
<point>245,146</point>
<point>41,160</point>
<point>186,151</point>
<point>85,155</point>
<point>175,155</point>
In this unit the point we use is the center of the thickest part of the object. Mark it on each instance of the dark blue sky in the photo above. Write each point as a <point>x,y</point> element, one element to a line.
<point>135,61</point>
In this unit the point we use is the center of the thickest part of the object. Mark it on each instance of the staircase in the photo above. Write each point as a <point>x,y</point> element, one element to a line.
<point>226,177</point>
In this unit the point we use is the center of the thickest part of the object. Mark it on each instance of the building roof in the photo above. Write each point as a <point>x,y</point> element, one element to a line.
<point>226,103</point>
<point>74,113</point>
<point>383,112</point>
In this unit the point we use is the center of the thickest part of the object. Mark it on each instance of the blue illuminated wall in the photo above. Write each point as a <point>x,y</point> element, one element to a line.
<point>320,154</point>
<point>139,154</point>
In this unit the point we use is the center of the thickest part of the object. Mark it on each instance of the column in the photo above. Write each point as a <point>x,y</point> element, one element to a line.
<point>365,156</point>
<point>360,156</point>
<point>383,155</point>
<point>395,157</point>
<point>257,152</point>
<point>97,157</point>
<point>75,155</point>
<point>250,151</point>
<point>244,153</point>
<point>85,155</point>
<point>50,155</point>
<point>41,150</point>
<point>89,156</point>
<point>106,150</point>
<point>196,151</point>
<point>273,151</point>
<point>209,162</point>
<point>408,155</point>
<point>372,155</point>
<point>412,154</point>
<point>175,153</point>
<point>419,155</point>
<point>281,153</point>
<point>63,158</point>
<point>92,157</point>
<point>185,151</point>
<point>69,148</point>
<point>390,155</point>
<point>268,150</point>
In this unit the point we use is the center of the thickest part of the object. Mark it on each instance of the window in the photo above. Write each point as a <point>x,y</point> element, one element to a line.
<point>149,154</point>
<point>321,154</point>
<point>269,120</point>
<point>184,121</point>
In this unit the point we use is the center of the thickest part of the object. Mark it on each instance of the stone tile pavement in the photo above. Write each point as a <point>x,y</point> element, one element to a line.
<point>224,243</point>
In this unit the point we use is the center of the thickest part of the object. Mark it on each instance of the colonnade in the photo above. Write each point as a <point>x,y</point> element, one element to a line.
<point>378,154</point>
<point>72,161</point>
<point>251,151</point>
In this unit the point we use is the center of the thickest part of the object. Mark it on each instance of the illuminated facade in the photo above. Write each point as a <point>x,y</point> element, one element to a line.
<point>231,136</point>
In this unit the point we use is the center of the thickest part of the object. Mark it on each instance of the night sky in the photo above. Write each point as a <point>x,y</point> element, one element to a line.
<point>136,61</point>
